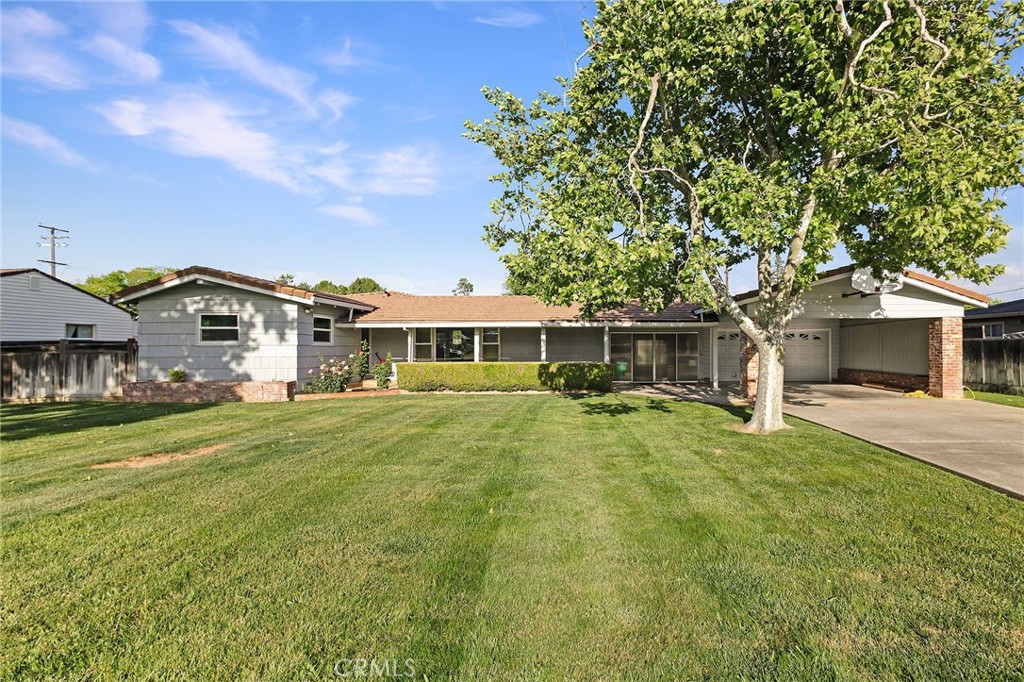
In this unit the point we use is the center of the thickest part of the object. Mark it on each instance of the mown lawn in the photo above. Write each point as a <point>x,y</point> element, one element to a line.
<point>997,398</point>
<point>493,537</point>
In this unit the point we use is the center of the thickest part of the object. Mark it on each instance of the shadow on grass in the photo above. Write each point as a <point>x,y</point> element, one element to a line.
<point>612,405</point>
<point>22,421</point>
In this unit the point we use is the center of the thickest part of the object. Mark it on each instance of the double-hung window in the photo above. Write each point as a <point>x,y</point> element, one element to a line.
<point>490,345</point>
<point>218,327</point>
<point>323,330</point>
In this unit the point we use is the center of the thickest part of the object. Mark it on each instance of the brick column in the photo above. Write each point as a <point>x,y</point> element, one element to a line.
<point>945,357</point>
<point>749,363</point>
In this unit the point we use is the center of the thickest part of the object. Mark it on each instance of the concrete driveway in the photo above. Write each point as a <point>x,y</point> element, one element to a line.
<point>980,441</point>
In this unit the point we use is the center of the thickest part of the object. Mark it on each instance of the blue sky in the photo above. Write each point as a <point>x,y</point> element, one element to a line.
<point>320,139</point>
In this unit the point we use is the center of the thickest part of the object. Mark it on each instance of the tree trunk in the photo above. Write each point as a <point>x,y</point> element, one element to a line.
<point>767,415</point>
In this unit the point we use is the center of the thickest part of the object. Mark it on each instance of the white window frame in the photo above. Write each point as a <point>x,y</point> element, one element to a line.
<point>79,324</point>
<point>416,343</point>
<point>329,330</point>
<point>483,331</point>
<point>199,328</point>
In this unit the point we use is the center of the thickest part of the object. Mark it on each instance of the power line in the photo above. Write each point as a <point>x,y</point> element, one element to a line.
<point>54,239</point>
<point>1005,291</point>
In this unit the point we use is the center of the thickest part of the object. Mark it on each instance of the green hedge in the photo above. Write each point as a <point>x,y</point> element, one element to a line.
<point>504,376</point>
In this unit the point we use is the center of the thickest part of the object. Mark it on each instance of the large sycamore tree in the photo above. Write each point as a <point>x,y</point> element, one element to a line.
<point>699,134</point>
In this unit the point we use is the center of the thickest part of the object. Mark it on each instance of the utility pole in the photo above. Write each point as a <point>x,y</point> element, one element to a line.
<point>53,238</point>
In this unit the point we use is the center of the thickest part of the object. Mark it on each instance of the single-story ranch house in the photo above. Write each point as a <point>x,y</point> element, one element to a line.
<point>220,325</point>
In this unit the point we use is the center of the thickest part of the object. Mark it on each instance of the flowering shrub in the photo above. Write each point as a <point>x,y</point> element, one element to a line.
<point>360,361</point>
<point>382,372</point>
<point>334,375</point>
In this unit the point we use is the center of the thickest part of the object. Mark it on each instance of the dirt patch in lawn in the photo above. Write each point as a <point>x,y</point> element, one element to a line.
<point>161,458</point>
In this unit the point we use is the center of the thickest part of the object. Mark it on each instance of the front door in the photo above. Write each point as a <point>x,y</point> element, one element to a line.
<point>643,358</point>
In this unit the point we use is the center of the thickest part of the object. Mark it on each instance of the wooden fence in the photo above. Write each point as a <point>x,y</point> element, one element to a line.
<point>67,370</point>
<point>994,364</point>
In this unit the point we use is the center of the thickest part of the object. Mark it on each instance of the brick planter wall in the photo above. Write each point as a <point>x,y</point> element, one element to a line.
<point>209,392</point>
<point>946,357</point>
<point>908,382</point>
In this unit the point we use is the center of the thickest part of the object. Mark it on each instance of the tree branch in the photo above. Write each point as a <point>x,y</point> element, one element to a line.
<point>928,38</point>
<point>634,167</point>
<point>851,67</point>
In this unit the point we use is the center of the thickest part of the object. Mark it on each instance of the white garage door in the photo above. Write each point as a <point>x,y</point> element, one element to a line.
<point>807,356</point>
<point>729,346</point>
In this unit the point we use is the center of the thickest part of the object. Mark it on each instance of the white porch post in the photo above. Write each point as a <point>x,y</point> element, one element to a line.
<point>714,357</point>
<point>543,344</point>
<point>411,349</point>
<point>607,346</point>
<point>477,340</point>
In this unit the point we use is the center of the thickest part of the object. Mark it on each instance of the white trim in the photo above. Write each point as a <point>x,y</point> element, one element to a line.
<point>941,292</point>
<point>543,344</point>
<point>538,324</point>
<point>714,358</point>
<point>478,334</point>
<point>199,327</point>
<point>178,281</point>
<point>329,330</point>
<point>607,346</point>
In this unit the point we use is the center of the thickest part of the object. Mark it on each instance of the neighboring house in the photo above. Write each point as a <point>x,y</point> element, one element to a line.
<point>995,321</point>
<point>37,307</point>
<point>220,325</point>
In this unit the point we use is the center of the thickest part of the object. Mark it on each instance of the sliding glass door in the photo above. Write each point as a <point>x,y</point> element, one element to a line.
<point>650,357</point>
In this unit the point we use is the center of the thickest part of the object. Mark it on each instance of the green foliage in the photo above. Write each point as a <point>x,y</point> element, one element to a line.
<point>463,288</point>
<point>329,287</point>
<point>504,376</point>
<point>176,375</point>
<point>330,377</point>
<point>286,278</point>
<point>382,372</point>
<point>363,285</point>
<point>109,283</point>
<point>360,360</point>
<point>697,135</point>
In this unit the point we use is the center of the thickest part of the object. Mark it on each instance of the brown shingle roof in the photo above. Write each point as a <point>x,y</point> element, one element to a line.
<point>18,271</point>
<point>919,276</point>
<point>394,307</point>
<point>246,280</point>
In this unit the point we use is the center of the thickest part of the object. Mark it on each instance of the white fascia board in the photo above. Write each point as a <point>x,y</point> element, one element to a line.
<point>215,280</point>
<point>506,325</point>
<point>941,292</point>
<point>339,304</point>
<point>826,280</point>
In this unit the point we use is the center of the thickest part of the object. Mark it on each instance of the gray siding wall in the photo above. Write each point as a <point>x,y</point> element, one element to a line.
<point>900,347</point>
<point>40,315</point>
<point>345,341</point>
<point>575,345</point>
<point>267,348</point>
<point>394,341</point>
<point>520,344</point>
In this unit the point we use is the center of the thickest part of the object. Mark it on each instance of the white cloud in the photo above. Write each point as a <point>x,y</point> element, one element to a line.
<point>31,135</point>
<point>193,124</point>
<point>510,18</point>
<point>135,63</point>
<point>356,214</point>
<point>406,170</point>
<point>334,172</point>
<point>343,58</point>
<point>336,102</point>
<point>30,53</point>
<point>221,48</point>
<point>127,22</point>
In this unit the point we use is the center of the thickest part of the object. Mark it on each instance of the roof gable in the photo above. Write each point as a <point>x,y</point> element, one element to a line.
<point>20,271</point>
<point>233,279</point>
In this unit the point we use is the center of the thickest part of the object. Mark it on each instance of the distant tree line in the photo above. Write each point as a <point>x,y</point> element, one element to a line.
<point>111,282</point>
<point>360,285</point>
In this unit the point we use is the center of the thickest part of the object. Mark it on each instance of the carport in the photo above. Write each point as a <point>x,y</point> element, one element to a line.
<point>904,332</point>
